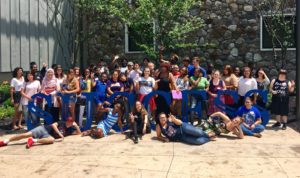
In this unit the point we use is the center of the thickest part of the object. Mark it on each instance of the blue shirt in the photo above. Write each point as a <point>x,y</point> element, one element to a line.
<point>191,70</point>
<point>107,123</point>
<point>250,115</point>
<point>101,89</point>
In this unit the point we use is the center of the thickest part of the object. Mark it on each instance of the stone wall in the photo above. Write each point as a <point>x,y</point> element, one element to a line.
<point>232,31</point>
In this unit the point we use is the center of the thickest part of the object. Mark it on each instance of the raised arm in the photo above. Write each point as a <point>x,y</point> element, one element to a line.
<point>174,120</point>
<point>223,116</point>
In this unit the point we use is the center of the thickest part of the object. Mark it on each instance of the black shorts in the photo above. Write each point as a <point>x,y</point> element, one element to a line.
<point>17,97</point>
<point>280,105</point>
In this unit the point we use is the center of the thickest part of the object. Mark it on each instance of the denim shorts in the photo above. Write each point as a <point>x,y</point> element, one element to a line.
<point>73,98</point>
<point>40,132</point>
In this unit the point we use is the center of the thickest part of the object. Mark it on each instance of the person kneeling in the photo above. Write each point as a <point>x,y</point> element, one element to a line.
<point>174,129</point>
<point>46,134</point>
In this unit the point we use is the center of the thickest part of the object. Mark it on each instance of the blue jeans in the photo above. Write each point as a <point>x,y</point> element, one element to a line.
<point>28,116</point>
<point>193,135</point>
<point>257,129</point>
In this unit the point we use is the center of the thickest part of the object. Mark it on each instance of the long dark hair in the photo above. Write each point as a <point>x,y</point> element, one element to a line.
<point>55,71</point>
<point>257,71</point>
<point>15,72</point>
<point>143,110</point>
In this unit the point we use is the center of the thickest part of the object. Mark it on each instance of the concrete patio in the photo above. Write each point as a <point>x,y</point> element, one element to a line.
<point>276,154</point>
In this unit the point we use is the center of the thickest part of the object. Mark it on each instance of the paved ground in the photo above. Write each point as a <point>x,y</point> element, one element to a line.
<point>276,154</point>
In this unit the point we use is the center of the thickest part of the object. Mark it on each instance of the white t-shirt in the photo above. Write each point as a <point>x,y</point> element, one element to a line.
<point>123,69</point>
<point>17,84</point>
<point>245,85</point>
<point>134,75</point>
<point>30,88</point>
<point>146,85</point>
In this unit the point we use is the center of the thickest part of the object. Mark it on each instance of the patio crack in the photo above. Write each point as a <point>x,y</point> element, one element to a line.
<point>171,161</point>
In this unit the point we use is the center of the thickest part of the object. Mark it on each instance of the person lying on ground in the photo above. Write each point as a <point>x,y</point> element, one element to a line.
<point>46,134</point>
<point>219,123</point>
<point>172,129</point>
<point>114,115</point>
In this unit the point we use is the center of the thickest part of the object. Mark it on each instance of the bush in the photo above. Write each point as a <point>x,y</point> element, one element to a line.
<point>6,111</point>
<point>4,92</point>
<point>8,103</point>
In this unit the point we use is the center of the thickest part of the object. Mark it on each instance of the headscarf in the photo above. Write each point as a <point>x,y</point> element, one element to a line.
<point>49,84</point>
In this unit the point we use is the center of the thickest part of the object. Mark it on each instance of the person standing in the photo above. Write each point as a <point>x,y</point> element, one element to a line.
<point>144,86</point>
<point>71,86</point>
<point>165,82</point>
<point>245,84</point>
<point>280,89</point>
<point>50,87</point>
<point>215,85</point>
<point>196,65</point>
<point>231,82</point>
<point>30,87</point>
<point>198,83</point>
<point>16,85</point>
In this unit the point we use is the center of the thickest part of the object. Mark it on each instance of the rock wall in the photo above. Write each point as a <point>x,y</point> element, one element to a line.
<point>231,36</point>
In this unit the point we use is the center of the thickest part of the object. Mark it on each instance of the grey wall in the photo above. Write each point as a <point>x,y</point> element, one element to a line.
<point>28,33</point>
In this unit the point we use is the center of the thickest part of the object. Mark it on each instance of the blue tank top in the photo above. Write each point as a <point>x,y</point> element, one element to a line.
<point>107,123</point>
<point>172,131</point>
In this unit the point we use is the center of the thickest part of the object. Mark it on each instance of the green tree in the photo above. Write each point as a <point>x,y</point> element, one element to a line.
<point>167,23</point>
<point>279,27</point>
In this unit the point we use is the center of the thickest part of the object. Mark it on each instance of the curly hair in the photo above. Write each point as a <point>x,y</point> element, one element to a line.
<point>15,72</point>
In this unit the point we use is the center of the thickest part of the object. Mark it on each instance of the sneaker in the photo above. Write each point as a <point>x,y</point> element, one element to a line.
<point>136,140</point>
<point>283,127</point>
<point>277,124</point>
<point>29,143</point>
<point>258,135</point>
<point>2,144</point>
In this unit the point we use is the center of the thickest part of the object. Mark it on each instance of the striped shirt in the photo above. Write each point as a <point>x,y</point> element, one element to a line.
<point>107,123</point>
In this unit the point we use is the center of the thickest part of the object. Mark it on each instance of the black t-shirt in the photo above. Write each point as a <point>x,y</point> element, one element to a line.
<point>61,125</point>
<point>127,84</point>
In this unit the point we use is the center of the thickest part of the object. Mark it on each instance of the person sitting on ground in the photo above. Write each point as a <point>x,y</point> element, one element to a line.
<point>46,134</point>
<point>114,115</point>
<point>218,123</point>
<point>252,119</point>
<point>172,129</point>
<point>139,120</point>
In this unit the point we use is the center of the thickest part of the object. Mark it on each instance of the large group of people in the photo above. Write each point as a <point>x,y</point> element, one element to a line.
<point>172,76</point>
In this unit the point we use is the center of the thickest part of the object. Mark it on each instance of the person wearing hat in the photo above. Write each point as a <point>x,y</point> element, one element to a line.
<point>46,134</point>
<point>280,89</point>
<point>129,68</point>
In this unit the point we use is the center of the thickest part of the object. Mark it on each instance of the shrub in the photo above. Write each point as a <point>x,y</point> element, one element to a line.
<point>4,92</point>
<point>6,111</point>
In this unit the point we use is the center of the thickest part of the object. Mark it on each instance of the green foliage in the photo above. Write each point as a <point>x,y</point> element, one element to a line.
<point>4,92</point>
<point>280,28</point>
<point>170,20</point>
<point>6,111</point>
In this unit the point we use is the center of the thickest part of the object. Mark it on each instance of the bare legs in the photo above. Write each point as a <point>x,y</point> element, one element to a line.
<point>17,117</point>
